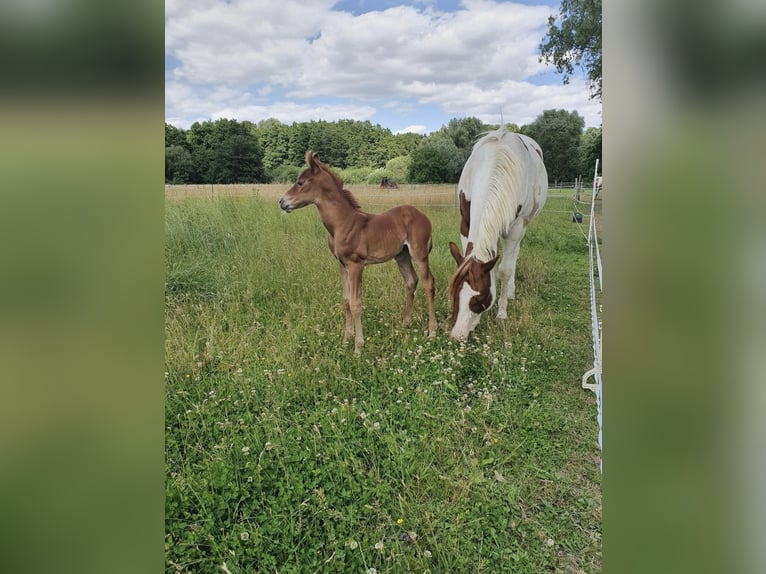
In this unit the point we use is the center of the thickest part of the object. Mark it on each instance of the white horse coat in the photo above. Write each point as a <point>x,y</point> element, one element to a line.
<point>502,187</point>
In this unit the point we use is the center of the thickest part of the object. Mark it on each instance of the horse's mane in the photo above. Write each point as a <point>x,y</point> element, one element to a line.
<point>351,199</point>
<point>496,171</point>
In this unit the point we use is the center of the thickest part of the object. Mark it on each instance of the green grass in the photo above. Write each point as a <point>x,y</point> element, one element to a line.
<point>286,453</point>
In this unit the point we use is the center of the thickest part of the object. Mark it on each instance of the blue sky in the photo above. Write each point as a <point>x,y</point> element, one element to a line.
<point>408,66</point>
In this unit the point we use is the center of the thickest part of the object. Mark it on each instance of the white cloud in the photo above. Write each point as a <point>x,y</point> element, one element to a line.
<point>278,57</point>
<point>416,129</point>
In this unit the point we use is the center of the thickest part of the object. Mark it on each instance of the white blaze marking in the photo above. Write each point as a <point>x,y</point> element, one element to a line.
<point>466,319</point>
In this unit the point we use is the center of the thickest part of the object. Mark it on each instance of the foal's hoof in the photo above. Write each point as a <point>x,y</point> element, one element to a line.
<point>502,315</point>
<point>431,333</point>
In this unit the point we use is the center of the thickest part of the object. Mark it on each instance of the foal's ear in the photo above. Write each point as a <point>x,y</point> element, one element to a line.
<point>312,158</point>
<point>455,251</point>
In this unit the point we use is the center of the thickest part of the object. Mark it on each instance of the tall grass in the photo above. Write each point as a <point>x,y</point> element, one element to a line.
<point>285,453</point>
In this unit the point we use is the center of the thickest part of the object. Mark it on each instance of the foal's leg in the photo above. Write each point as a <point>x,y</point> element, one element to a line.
<point>349,332</point>
<point>404,261</point>
<point>507,268</point>
<point>430,289</point>
<point>355,302</point>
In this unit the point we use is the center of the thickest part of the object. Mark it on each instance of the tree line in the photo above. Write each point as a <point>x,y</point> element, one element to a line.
<point>230,151</point>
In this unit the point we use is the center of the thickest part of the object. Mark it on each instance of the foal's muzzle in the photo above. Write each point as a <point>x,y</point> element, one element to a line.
<point>285,205</point>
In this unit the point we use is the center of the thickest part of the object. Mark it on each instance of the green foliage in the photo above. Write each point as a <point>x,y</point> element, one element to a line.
<point>376,176</point>
<point>437,160</point>
<point>227,151</point>
<point>224,151</point>
<point>590,151</point>
<point>398,168</point>
<point>354,175</point>
<point>178,164</point>
<point>175,136</point>
<point>574,38</point>
<point>285,452</point>
<point>273,138</point>
<point>285,173</point>
<point>559,134</point>
<point>464,132</point>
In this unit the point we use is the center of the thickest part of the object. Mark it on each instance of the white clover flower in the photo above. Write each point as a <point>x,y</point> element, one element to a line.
<point>427,553</point>
<point>246,450</point>
<point>353,544</point>
<point>549,543</point>
<point>379,546</point>
<point>371,571</point>
<point>244,535</point>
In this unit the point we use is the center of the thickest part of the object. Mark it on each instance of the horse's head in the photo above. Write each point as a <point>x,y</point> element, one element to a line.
<point>309,185</point>
<point>471,289</point>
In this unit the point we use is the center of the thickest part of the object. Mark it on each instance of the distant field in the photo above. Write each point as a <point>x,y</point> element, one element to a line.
<point>367,194</point>
<point>286,453</point>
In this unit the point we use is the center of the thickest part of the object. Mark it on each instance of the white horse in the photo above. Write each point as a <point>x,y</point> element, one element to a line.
<point>503,186</point>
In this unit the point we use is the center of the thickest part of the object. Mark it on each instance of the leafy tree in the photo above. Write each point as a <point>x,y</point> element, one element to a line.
<point>285,173</point>
<point>352,175</point>
<point>237,160</point>
<point>178,164</point>
<point>273,138</point>
<point>574,38</point>
<point>437,160</point>
<point>225,151</point>
<point>175,136</point>
<point>405,144</point>
<point>364,145</point>
<point>558,132</point>
<point>590,151</point>
<point>398,168</point>
<point>464,132</point>
<point>298,143</point>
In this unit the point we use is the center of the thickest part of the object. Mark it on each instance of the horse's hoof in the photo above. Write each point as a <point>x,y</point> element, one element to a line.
<point>432,333</point>
<point>502,315</point>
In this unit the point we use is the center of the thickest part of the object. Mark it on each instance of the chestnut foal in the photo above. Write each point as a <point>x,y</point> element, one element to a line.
<point>357,239</point>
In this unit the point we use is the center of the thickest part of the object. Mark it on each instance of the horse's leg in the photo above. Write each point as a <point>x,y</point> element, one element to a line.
<point>420,246</point>
<point>355,302</point>
<point>430,289</point>
<point>349,332</point>
<point>507,268</point>
<point>404,261</point>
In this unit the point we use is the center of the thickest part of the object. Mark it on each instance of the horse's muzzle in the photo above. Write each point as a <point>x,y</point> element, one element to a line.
<point>285,205</point>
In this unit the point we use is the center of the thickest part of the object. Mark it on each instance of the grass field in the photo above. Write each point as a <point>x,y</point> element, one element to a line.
<point>286,453</point>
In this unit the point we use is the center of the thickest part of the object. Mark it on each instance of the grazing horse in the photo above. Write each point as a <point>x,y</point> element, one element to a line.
<point>503,186</point>
<point>385,182</point>
<point>357,239</point>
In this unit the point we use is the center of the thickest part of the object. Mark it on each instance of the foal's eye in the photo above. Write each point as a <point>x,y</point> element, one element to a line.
<point>299,183</point>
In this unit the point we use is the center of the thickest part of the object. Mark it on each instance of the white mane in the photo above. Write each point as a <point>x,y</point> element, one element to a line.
<point>492,181</point>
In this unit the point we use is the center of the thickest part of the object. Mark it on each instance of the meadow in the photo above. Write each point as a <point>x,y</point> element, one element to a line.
<point>285,453</point>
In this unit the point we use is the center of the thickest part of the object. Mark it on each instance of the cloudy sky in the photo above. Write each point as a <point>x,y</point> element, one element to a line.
<point>406,65</point>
